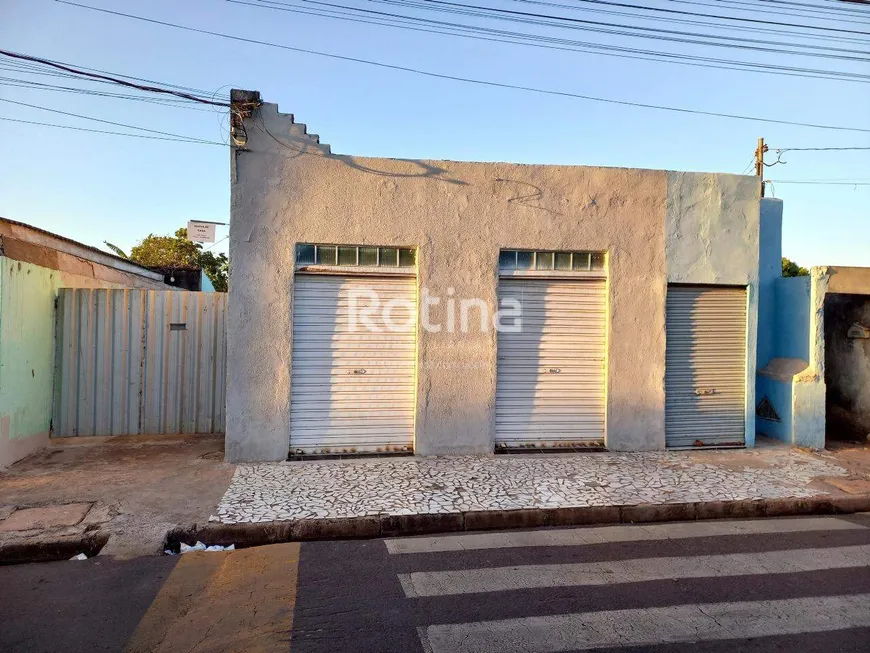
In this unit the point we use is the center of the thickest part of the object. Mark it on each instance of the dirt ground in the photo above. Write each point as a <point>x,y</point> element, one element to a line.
<point>143,485</point>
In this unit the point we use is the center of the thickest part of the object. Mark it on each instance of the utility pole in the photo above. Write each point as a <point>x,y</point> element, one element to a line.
<point>759,162</point>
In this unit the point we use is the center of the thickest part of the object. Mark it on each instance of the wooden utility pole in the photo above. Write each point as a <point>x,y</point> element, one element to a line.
<point>759,162</point>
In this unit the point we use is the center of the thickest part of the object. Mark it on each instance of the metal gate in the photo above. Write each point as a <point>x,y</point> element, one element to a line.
<point>705,366</point>
<point>352,385</point>
<point>550,375</point>
<point>132,362</point>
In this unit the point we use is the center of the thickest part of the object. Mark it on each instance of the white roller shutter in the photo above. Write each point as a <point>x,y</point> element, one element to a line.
<point>550,383</point>
<point>705,373</point>
<point>352,389</point>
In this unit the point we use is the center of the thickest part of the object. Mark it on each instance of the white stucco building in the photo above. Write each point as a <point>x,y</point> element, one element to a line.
<point>636,290</point>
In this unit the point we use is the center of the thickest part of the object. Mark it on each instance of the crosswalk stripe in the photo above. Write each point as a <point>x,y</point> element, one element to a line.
<point>650,626</point>
<point>500,579</point>
<point>607,534</point>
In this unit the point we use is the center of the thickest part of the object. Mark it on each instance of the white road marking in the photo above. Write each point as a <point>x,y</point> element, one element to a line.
<point>611,572</point>
<point>604,534</point>
<point>650,626</point>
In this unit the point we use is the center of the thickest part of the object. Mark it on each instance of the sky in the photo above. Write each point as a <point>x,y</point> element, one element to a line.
<point>96,187</point>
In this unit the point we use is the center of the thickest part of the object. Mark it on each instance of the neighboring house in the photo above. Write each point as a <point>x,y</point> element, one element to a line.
<point>189,277</point>
<point>813,347</point>
<point>34,264</point>
<point>638,291</point>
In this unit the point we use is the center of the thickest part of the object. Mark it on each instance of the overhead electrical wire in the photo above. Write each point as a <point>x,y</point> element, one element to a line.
<point>103,131</point>
<point>37,86</point>
<point>108,78</point>
<point>107,122</point>
<point>557,43</point>
<point>595,26</point>
<point>767,29</point>
<point>467,80</point>
<point>818,149</point>
<point>820,183</point>
<point>719,16</point>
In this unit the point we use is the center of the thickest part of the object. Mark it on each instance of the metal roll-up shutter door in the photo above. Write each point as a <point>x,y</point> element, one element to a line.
<point>352,388</point>
<point>550,381</point>
<point>705,367</point>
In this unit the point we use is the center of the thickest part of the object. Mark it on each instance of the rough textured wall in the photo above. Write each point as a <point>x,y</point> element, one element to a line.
<point>27,294</point>
<point>458,215</point>
<point>847,367</point>
<point>712,237</point>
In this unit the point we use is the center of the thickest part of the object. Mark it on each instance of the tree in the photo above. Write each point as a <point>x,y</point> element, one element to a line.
<point>178,252</point>
<point>792,269</point>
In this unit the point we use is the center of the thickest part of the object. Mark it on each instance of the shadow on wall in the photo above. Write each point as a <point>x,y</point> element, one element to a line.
<point>847,366</point>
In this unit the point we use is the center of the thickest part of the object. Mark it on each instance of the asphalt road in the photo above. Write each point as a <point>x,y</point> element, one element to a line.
<point>798,584</point>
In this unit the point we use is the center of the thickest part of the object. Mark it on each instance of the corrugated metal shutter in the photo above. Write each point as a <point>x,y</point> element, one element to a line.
<point>550,382</point>
<point>352,389</point>
<point>705,368</point>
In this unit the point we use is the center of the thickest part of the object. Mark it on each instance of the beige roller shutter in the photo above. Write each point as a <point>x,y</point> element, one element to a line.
<point>352,388</point>
<point>705,373</point>
<point>550,382</point>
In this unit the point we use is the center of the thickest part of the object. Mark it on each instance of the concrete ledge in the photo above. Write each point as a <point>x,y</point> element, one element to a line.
<point>246,535</point>
<point>54,548</point>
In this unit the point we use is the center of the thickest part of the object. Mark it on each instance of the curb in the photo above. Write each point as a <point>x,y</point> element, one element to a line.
<point>257,534</point>
<point>50,549</point>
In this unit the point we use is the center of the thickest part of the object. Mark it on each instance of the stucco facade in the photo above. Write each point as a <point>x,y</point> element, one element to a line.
<point>655,226</point>
<point>33,266</point>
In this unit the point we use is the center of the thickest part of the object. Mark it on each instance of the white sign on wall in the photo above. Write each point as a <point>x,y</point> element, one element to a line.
<point>201,232</point>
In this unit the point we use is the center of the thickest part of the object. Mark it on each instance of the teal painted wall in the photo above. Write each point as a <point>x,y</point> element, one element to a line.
<point>26,357</point>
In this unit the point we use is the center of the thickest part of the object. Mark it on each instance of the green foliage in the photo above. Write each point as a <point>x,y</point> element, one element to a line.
<point>178,252</point>
<point>117,250</point>
<point>792,269</point>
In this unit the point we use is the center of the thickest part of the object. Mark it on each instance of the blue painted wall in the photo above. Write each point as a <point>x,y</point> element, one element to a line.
<point>792,322</point>
<point>769,272</point>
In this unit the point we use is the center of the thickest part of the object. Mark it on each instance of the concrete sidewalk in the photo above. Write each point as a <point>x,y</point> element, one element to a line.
<point>127,496</point>
<point>122,492</point>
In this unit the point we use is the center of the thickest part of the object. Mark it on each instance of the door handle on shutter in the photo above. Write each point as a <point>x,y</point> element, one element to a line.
<point>360,371</point>
<point>704,393</point>
<point>554,370</point>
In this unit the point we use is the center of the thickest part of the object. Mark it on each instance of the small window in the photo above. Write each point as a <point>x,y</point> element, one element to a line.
<point>507,259</point>
<point>513,259</point>
<point>581,260</point>
<point>407,258</point>
<point>544,261</point>
<point>304,254</point>
<point>524,260</point>
<point>347,255</point>
<point>389,257</point>
<point>355,255</point>
<point>368,255</point>
<point>325,254</point>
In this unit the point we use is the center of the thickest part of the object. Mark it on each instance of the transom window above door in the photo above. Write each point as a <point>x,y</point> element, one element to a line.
<point>524,259</point>
<point>355,255</point>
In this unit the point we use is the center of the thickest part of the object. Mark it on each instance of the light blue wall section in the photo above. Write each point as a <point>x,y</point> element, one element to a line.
<point>779,393</point>
<point>792,321</point>
<point>769,272</point>
<point>205,283</point>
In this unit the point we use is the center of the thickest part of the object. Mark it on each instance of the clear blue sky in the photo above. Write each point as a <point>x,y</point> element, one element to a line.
<point>94,187</point>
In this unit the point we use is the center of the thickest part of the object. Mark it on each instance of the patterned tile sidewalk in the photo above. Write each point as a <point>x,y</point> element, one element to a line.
<point>404,486</point>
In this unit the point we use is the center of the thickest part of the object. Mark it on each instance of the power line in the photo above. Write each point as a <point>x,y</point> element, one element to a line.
<point>721,17</point>
<point>37,86</point>
<point>467,80</point>
<point>818,149</point>
<point>740,43</point>
<point>555,43</point>
<point>820,183</point>
<point>107,122</point>
<point>106,78</point>
<point>103,131</point>
<point>670,11</point>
